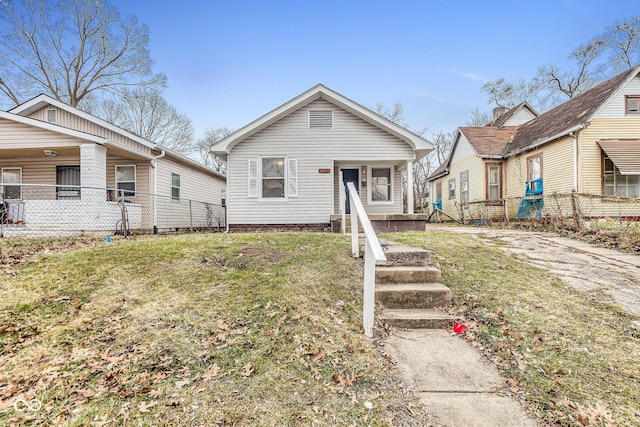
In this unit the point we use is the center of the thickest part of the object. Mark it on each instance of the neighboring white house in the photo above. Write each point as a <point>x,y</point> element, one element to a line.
<point>284,170</point>
<point>44,142</point>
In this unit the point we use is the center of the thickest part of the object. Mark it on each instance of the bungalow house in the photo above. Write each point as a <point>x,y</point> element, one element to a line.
<point>57,163</point>
<point>285,169</point>
<point>590,144</point>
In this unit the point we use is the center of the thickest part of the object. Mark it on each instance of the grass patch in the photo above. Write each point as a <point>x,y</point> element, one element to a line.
<point>221,329</point>
<point>574,357</point>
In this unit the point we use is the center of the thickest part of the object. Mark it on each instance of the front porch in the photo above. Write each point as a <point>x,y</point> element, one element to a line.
<point>384,223</point>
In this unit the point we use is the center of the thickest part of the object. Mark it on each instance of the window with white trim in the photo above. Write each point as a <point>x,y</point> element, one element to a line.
<point>68,182</point>
<point>126,180</point>
<point>12,176</point>
<point>273,178</point>
<point>175,186</point>
<point>494,181</point>
<point>452,188</point>
<point>380,187</point>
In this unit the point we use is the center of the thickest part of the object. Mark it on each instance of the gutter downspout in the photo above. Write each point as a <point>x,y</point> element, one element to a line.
<point>574,134</point>
<point>154,165</point>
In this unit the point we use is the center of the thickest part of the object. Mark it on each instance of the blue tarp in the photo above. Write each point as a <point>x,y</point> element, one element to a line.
<point>531,204</point>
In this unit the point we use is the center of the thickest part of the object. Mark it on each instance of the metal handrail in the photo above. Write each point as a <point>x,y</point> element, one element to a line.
<point>373,255</point>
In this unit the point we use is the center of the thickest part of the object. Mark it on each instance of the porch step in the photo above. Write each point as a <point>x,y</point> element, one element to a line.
<point>398,255</point>
<point>413,295</point>
<point>417,318</point>
<point>408,274</point>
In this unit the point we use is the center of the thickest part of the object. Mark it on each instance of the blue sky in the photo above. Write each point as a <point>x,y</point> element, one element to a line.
<point>229,62</point>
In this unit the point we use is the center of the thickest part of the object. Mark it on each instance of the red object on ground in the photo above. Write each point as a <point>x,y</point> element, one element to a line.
<point>459,328</point>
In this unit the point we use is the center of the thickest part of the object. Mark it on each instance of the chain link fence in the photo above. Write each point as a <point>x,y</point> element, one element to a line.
<point>62,211</point>
<point>566,210</point>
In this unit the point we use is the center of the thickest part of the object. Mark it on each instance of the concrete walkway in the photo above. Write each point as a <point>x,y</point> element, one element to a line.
<point>584,266</point>
<point>452,380</point>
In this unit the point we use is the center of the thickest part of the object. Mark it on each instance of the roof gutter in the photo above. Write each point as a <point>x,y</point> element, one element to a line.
<point>109,143</point>
<point>544,141</point>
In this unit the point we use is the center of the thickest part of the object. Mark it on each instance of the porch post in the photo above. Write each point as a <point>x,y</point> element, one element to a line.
<point>93,180</point>
<point>410,187</point>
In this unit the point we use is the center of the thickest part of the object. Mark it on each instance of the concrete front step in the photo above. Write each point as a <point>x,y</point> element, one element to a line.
<point>417,318</point>
<point>408,274</point>
<point>404,255</point>
<point>413,295</point>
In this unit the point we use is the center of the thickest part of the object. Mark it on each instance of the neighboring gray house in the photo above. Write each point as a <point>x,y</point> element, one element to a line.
<point>47,143</point>
<point>284,169</point>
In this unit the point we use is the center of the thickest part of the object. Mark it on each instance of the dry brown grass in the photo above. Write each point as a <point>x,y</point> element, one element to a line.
<point>573,357</point>
<point>194,330</point>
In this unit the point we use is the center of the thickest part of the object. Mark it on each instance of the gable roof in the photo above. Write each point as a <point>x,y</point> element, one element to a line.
<point>504,117</point>
<point>21,114</point>
<point>489,142</point>
<point>565,118</point>
<point>42,100</point>
<point>420,145</point>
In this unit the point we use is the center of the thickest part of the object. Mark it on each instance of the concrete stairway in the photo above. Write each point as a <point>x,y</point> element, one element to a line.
<point>409,288</point>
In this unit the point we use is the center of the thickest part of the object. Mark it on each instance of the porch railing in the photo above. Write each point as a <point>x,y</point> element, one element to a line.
<point>373,255</point>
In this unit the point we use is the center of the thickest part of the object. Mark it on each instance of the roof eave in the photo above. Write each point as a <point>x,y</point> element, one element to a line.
<point>54,128</point>
<point>418,144</point>
<point>537,144</point>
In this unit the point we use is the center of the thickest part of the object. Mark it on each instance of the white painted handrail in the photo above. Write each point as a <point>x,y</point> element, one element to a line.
<point>373,255</point>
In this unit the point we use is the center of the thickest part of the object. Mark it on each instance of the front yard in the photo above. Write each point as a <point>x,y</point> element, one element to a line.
<point>217,329</point>
<point>265,329</point>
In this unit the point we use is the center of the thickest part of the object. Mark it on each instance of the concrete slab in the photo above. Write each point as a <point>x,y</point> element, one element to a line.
<point>434,360</point>
<point>475,410</point>
<point>452,380</point>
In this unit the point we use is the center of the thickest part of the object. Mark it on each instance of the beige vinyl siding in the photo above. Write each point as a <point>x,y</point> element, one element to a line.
<point>194,184</point>
<point>521,116</point>
<point>351,142</point>
<point>464,158</point>
<point>590,163</point>
<point>40,171</point>
<point>72,121</point>
<point>20,136</point>
<point>557,168</point>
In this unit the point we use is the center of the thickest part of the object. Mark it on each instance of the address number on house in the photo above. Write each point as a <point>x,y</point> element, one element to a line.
<point>324,170</point>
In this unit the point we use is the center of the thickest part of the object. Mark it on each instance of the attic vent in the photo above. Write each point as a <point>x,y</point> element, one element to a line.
<point>320,119</point>
<point>52,116</point>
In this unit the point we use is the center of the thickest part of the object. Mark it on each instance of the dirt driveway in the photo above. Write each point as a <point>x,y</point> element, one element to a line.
<point>594,270</point>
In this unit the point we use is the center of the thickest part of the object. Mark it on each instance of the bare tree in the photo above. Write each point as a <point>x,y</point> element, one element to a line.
<point>572,83</point>
<point>210,137</point>
<point>395,113</point>
<point>623,42</point>
<point>146,113</point>
<point>70,49</point>
<point>509,94</point>
<point>478,118</point>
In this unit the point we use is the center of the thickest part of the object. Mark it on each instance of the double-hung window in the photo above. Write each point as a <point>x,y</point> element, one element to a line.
<point>381,185</point>
<point>175,186</point>
<point>273,178</point>
<point>12,176</point>
<point>452,188</point>
<point>126,180</point>
<point>494,182</point>
<point>68,182</point>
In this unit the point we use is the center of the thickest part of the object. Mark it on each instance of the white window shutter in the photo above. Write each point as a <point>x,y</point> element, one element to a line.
<point>253,178</point>
<point>292,178</point>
